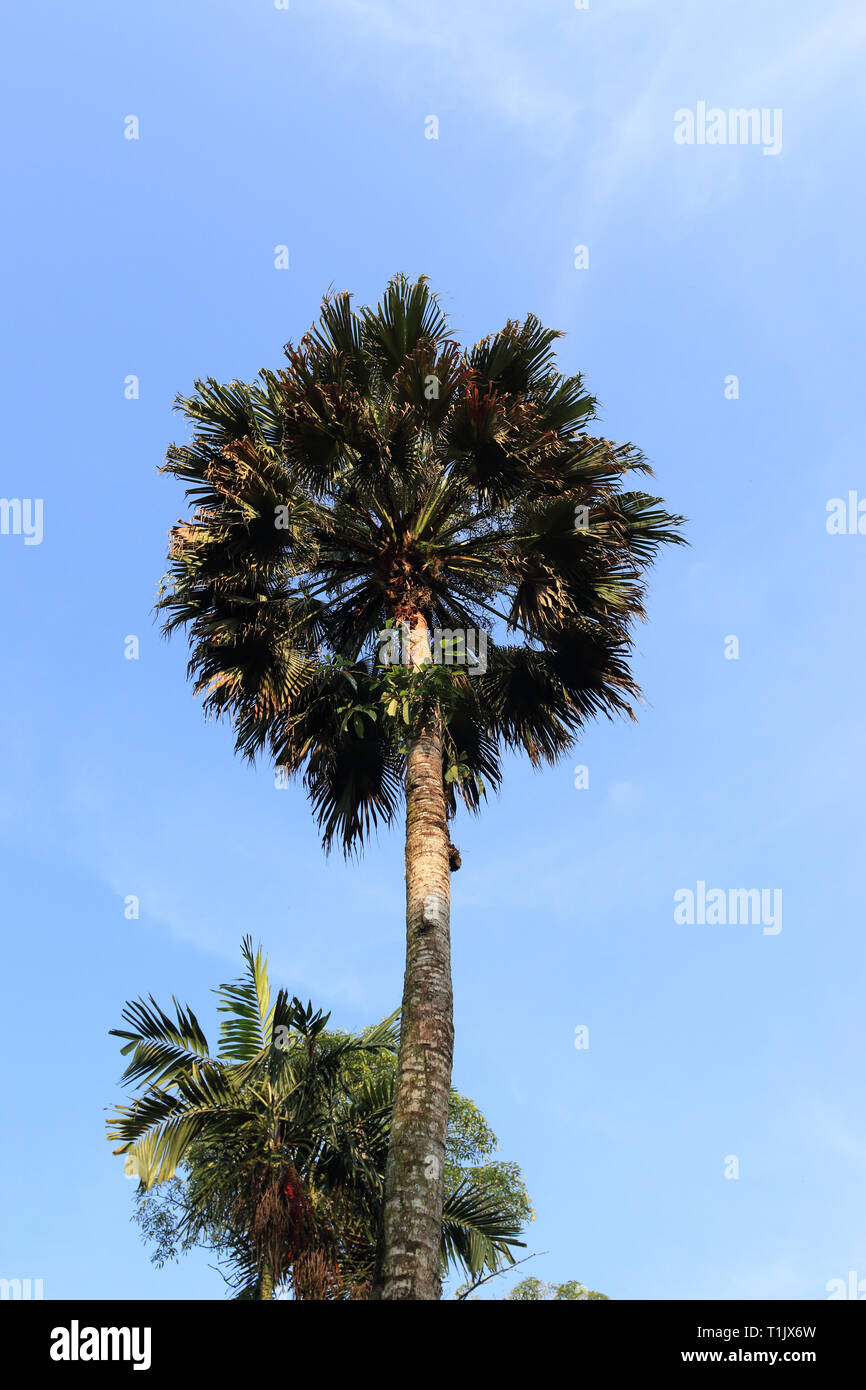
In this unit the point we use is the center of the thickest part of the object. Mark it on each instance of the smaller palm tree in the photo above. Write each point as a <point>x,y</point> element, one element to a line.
<point>283,1138</point>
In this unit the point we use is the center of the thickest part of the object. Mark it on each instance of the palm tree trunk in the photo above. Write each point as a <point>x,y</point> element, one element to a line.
<point>409,1254</point>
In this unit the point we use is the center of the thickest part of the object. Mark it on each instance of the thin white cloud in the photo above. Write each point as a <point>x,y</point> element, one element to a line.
<point>491,59</point>
<point>476,57</point>
<point>817,55</point>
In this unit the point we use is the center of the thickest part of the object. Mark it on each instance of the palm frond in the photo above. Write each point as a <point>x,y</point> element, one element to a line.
<point>475,1232</point>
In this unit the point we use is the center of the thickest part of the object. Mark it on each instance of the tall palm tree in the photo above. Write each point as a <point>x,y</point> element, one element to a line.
<point>385,481</point>
<point>283,1136</point>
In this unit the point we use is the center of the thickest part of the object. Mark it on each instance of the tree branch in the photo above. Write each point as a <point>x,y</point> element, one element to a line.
<point>495,1273</point>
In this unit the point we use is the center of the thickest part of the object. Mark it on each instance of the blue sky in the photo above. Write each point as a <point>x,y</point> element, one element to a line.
<point>305,127</point>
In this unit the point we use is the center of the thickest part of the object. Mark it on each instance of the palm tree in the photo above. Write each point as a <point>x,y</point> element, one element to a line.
<point>283,1136</point>
<point>386,483</point>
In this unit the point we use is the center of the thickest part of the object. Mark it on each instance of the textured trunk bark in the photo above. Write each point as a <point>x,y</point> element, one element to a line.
<point>409,1254</point>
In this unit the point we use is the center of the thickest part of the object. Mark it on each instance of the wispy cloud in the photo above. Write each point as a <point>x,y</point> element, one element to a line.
<point>536,73</point>
<point>474,55</point>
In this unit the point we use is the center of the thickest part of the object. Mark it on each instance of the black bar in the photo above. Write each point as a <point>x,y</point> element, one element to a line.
<point>209,1338</point>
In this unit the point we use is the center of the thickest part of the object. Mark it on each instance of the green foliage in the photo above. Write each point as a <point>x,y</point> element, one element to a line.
<point>577,1292</point>
<point>533,1290</point>
<point>469,1149</point>
<point>287,1105</point>
<point>384,474</point>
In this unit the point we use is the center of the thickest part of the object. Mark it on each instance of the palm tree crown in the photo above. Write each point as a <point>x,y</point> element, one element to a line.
<point>385,476</point>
